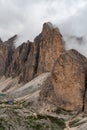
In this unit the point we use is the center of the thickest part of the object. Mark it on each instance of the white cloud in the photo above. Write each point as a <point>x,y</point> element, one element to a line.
<point>25,17</point>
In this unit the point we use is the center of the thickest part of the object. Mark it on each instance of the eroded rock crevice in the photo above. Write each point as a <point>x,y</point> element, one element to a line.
<point>36,63</point>
<point>84,94</point>
<point>36,59</point>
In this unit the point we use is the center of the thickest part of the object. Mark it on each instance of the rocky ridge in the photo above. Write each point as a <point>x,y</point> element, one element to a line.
<point>31,59</point>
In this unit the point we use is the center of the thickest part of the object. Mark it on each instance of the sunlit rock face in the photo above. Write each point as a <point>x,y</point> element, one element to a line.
<point>50,47</point>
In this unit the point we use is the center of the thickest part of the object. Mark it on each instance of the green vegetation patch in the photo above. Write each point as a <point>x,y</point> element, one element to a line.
<point>59,122</point>
<point>1,127</point>
<point>2,94</point>
<point>45,123</point>
<point>74,123</point>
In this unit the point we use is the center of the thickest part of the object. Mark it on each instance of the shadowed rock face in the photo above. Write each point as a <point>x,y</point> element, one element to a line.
<point>6,51</point>
<point>19,60</point>
<point>2,65</point>
<point>1,40</point>
<point>69,80</point>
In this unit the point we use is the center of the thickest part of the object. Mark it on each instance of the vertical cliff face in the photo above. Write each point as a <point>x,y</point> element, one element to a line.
<point>69,79</point>
<point>50,47</point>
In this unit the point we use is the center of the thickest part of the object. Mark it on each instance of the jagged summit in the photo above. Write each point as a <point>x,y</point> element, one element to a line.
<point>11,40</point>
<point>48,27</point>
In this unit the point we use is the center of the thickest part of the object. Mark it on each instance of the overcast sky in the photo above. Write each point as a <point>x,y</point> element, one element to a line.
<point>26,17</point>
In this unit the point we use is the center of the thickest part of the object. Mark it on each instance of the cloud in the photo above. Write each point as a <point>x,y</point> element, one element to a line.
<point>26,18</point>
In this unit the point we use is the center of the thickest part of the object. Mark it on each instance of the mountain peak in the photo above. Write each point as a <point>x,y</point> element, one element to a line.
<point>11,40</point>
<point>48,28</point>
<point>48,25</point>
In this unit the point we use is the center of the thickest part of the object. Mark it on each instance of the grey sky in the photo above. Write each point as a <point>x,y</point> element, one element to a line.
<point>26,17</point>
